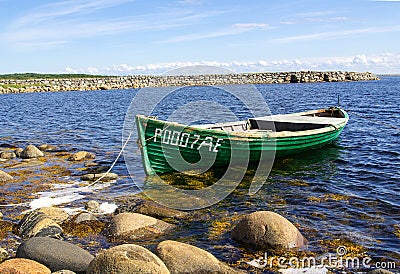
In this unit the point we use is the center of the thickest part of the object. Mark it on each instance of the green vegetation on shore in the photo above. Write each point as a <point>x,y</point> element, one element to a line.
<point>25,76</point>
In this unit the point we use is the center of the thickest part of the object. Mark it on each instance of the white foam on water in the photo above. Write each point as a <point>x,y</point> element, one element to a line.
<point>107,208</point>
<point>62,194</point>
<point>46,201</point>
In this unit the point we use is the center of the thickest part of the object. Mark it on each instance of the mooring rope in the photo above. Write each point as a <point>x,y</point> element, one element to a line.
<point>99,179</point>
<point>374,120</point>
<point>116,159</point>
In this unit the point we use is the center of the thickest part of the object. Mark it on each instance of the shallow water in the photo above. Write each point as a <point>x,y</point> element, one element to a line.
<point>347,190</point>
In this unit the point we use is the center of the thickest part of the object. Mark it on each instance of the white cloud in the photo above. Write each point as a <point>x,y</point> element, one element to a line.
<point>66,21</point>
<point>250,25</point>
<point>232,30</point>
<point>65,8</point>
<point>336,34</point>
<point>384,63</point>
<point>360,59</point>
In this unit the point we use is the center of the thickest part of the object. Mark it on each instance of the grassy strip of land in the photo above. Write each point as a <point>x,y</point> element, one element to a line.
<point>5,86</point>
<point>26,76</point>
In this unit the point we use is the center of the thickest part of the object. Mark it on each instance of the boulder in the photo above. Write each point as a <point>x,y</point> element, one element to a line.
<point>5,177</point>
<point>82,217</point>
<point>150,208</point>
<point>136,226</point>
<point>55,254</point>
<point>7,155</point>
<point>92,206</point>
<point>55,213</point>
<point>127,259</point>
<point>185,258</point>
<point>31,152</point>
<point>47,147</point>
<point>64,272</point>
<point>268,229</point>
<point>36,224</point>
<point>23,266</point>
<point>107,177</point>
<point>81,155</point>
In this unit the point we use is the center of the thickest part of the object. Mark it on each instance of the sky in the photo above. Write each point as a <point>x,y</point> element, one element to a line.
<point>129,37</point>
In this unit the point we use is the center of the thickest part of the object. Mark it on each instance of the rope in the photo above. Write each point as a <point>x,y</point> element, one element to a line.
<point>116,159</point>
<point>99,179</point>
<point>374,120</point>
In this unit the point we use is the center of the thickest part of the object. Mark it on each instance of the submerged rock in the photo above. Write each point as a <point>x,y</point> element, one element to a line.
<point>127,259</point>
<point>7,155</point>
<point>82,217</point>
<point>268,229</point>
<point>27,163</point>
<point>107,177</point>
<point>23,266</point>
<point>92,206</point>
<point>136,226</point>
<point>185,258</point>
<point>57,214</point>
<point>5,177</point>
<point>81,155</point>
<point>47,147</point>
<point>36,224</point>
<point>150,208</point>
<point>31,152</point>
<point>55,254</point>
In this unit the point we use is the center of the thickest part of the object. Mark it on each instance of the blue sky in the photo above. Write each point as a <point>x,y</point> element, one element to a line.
<point>124,37</point>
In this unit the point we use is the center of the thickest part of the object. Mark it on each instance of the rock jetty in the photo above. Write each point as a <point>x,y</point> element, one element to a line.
<point>141,81</point>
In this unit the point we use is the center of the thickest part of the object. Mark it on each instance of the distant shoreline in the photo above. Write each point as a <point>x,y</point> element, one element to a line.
<point>24,83</point>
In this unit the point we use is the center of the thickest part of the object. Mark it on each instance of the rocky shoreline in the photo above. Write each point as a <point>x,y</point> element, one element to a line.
<point>45,239</point>
<point>141,81</point>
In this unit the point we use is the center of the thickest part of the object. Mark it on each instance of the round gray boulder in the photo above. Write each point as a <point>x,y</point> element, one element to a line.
<point>268,229</point>
<point>55,254</point>
<point>135,226</point>
<point>185,258</point>
<point>31,152</point>
<point>127,259</point>
<point>83,217</point>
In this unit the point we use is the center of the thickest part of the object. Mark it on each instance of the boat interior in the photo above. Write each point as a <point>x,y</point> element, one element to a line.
<point>288,122</point>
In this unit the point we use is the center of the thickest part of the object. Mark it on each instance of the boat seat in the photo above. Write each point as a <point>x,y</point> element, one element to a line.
<point>293,123</point>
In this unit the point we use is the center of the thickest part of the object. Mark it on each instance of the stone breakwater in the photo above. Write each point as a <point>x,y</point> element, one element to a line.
<point>141,81</point>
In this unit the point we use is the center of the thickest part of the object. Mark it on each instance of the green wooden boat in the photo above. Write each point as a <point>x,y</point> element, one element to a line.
<point>169,146</point>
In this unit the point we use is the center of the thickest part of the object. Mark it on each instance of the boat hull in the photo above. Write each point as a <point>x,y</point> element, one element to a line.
<point>168,147</point>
